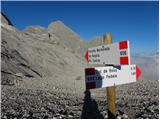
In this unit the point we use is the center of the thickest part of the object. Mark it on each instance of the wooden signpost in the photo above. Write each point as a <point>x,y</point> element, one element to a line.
<point>116,69</point>
<point>111,92</point>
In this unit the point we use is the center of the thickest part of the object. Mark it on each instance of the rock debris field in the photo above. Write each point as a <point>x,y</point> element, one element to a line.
<point>136,100</point>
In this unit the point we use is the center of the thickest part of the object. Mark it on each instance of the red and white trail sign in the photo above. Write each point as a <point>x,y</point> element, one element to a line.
<point>114,54</point>
<point>100,77</point>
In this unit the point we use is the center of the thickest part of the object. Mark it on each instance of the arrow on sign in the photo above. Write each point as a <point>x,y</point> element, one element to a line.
<point>138,72</point>
<point>86,56</point>
<point>100,77</point>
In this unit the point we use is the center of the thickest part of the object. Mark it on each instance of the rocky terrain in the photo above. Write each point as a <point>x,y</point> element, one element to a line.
<point>42,76</point>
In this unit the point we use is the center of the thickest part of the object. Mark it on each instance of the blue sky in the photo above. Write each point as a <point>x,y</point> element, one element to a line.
<point>134,21</point>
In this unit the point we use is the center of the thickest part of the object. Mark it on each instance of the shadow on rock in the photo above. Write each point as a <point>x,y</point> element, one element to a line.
<point>90,108</point>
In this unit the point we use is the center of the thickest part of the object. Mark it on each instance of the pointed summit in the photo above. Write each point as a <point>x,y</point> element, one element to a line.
<point>57,23</point>
<point>68,38</point>
<point>59,28</point>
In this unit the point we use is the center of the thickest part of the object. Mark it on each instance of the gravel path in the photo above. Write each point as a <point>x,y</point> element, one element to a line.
<point>137,100</point>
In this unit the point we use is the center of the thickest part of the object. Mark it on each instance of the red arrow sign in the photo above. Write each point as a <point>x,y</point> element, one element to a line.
<point>138,72</point>
<point>99,77</point>
<point>115,54</point>
<point>86,56</point>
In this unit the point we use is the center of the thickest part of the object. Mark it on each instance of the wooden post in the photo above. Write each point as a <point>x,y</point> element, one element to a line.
<point>111,93</point>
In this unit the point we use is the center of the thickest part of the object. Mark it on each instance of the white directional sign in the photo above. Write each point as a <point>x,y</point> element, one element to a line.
<point>100,77</point>
<point>115,54</point>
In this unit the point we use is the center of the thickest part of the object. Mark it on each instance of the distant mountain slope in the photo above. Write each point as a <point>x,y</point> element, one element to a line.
<point>33,54</point>
<point>96,41</point>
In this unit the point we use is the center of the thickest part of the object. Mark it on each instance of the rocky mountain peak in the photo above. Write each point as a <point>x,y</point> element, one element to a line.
<point>35,29</point>
<point>57,24</point>
<point>7,24</point>
<point>68,38</point>
<point>5,20</point>
<point>97,40</point>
